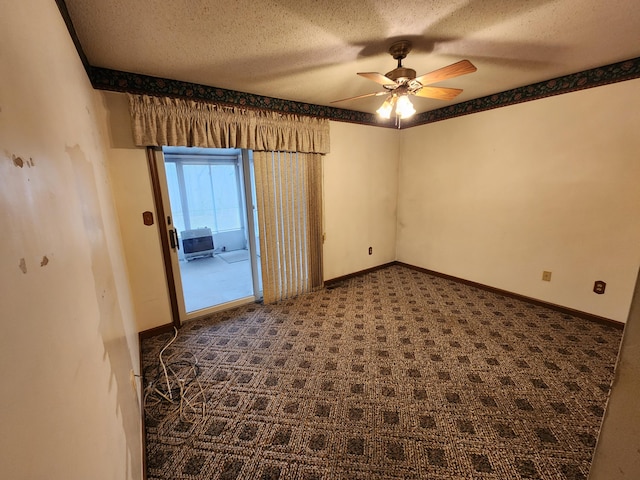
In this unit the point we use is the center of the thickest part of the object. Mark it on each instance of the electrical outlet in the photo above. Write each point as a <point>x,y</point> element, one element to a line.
<point>370,250</point>
<point>546,276</point>
<point>599,286</point>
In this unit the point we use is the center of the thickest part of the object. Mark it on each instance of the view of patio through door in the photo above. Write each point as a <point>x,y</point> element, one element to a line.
<point>212,237</point>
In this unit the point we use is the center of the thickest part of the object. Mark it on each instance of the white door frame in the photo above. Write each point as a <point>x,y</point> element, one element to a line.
<point>170,241</point>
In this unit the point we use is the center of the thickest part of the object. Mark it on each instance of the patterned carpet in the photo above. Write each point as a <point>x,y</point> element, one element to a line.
<point>395,374</point>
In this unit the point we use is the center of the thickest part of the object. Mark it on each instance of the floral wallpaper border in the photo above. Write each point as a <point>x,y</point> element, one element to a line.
<point>114,80</point>
<point>596,77</point>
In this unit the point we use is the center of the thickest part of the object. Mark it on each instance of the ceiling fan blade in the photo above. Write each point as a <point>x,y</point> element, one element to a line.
<point>377,77</point>
<point>440,93</point>
<point>361,96</point>
<point>454,70</point>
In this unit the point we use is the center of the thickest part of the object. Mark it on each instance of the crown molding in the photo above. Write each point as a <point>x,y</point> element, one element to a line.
<point>64,12</point>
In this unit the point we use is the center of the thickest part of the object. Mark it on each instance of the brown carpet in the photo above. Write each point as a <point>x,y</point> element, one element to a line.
<point>396,374</point>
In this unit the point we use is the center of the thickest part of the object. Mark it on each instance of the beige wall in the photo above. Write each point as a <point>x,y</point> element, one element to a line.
<point>360,192</point>
<point>133,194</point>
<point>617,455</point>
<point>495,197</point>
<point>498,197</point>
<point>68,343</point>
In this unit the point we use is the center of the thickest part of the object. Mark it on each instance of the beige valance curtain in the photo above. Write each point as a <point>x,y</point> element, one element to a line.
<point>159,121</point>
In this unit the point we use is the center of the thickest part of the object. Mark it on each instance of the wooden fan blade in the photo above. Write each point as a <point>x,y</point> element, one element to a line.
<point>440,93</point>
<point>378,78</point>
<point>454,70</point>
<point>361,96</point>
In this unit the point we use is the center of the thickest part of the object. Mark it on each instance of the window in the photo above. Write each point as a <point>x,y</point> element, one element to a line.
<point>213,198</point>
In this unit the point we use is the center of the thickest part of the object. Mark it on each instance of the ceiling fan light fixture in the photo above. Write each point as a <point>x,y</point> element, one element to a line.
<point>404,107</point>
<point>401,82</point>
<point>385,109</point>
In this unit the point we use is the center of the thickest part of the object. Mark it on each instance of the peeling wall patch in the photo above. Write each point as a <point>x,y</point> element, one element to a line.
<point>17,161</point>
<point>44,261</point>
<point>23,265</point>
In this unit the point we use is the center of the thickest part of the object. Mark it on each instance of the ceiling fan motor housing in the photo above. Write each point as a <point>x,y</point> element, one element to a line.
<point>399,50</point>
<point>401,74</point>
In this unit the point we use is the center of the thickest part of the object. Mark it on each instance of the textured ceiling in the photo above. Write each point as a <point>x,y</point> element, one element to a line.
<point>310,50</point>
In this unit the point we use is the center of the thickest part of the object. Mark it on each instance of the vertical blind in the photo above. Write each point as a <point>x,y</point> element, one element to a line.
<point>290,218</point>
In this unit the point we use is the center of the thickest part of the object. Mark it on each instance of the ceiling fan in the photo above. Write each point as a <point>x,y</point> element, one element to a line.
<point>401,82</point>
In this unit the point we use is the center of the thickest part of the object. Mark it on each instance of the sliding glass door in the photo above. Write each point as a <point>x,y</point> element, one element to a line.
<point>209,205</point>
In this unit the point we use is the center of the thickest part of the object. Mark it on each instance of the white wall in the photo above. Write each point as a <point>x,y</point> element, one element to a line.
<point>499,196</point>
<point>360,192</point>
<point>68,343</point>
